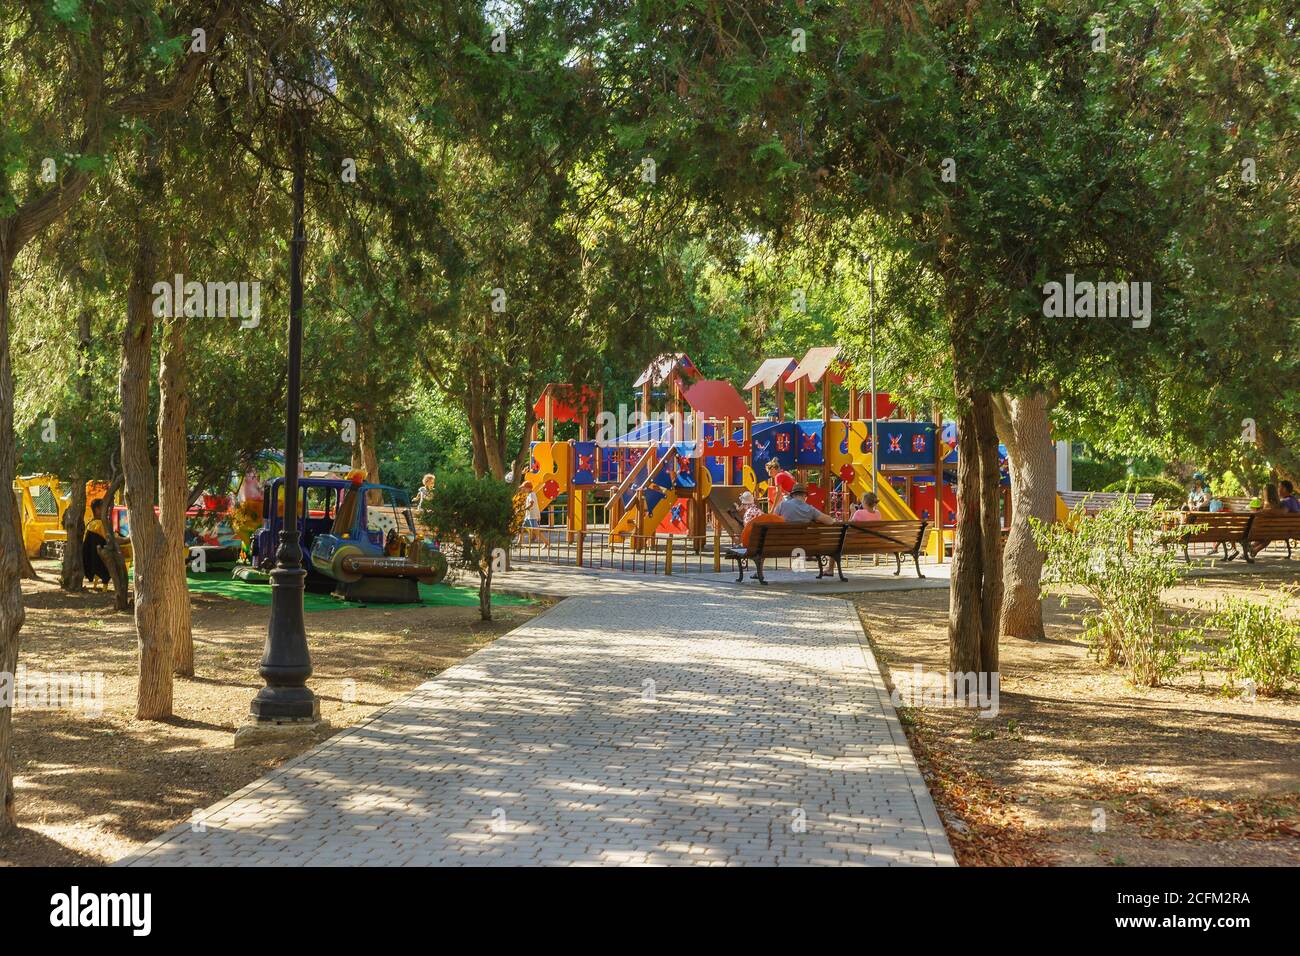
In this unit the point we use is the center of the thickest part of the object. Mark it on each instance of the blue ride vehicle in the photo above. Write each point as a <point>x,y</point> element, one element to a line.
<point>359,540</point>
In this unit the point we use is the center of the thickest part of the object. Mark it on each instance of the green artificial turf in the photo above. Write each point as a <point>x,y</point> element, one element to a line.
<point>431,595</point>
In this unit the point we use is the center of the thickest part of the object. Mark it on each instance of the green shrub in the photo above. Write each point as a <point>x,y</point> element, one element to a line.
<point>1089,475</point>
<point>479,516</point>
<point>1122,557</point>
<point>1164,489</point>
<point>1260,645</point>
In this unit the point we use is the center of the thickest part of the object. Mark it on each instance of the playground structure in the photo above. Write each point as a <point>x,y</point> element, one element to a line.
<point>359,538</point>
<point>42,503</point>
<point>678,466</point>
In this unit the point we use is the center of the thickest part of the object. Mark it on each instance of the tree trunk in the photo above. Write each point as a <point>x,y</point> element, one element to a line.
<point>11,594</point>
<point>965,586</point>
<point>112,553</point>
<point>152,614</point>
<point>112,558</point>
<point>1026,431</point>
<point>25,569</point>
<point>485,593</point>
<point>990,531</point>
<point>72,575</point>
<point>173,492</point>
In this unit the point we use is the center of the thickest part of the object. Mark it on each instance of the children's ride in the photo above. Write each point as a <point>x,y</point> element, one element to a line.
<point>359,540</point>
<point>42,503</point>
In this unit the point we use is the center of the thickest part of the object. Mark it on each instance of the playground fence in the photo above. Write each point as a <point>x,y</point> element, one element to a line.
<point>668,554</point>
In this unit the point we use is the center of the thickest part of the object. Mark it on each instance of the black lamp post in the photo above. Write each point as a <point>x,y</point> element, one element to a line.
<point>286,662</point>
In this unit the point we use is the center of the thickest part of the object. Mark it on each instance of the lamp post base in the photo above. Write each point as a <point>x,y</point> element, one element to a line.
<point>258,732</point>
<point>273,704</point>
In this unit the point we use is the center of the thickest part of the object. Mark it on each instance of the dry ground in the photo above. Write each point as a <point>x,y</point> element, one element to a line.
<point>91,789</point>
<point>1182,774</point>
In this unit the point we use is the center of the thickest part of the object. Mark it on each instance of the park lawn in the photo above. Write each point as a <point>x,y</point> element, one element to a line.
<point>1184,774</point>
<point>92,789</point>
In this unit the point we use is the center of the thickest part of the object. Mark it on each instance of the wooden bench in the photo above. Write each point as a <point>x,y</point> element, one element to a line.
<point>1244,530</point>
<point>1266,526</point>
<point>828,543</point>
<point>1217,528</point>
<point>790,539</point>
<point>885,537</point>
<point>1094,501</point>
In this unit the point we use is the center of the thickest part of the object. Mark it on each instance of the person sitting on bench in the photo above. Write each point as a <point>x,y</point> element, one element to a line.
<point>870,509</point>
<point>1198,499</point>
<point>796,508</point>
<point>1272,505</point>
<point>1289,501</point>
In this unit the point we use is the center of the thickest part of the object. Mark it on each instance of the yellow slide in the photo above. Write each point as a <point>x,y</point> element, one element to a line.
<point>892,506</point>
<point>628,524</point>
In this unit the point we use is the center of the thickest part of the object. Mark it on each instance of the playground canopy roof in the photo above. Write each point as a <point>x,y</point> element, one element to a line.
<point>662,369</point>
<point>773,370</point>
<point>569,403</point>
<point>714,398</point>
<point>819,362</point>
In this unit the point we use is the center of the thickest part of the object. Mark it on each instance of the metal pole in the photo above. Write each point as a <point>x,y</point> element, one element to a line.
<point>871,308</point>
<point>286,663</point>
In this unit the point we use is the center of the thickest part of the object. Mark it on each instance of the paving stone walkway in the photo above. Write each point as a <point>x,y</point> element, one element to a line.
<point>648,721</point>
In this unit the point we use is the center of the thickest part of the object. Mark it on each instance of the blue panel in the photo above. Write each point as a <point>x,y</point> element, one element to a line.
<point>809,435</point>
<point>772,440</point>
<point>905,443</point>
<point>586,456</point>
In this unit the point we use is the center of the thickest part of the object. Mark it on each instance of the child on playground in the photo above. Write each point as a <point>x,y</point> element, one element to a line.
<point>532,516</point>
<point>750,509</point>
<point>869,510</point>
<point>426,490</point>
<point>780,483</point>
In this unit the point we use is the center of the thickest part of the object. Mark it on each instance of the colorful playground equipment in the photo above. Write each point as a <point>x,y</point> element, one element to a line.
<point>359,538</point>
<point>42,502</point>
<point>680,463</point>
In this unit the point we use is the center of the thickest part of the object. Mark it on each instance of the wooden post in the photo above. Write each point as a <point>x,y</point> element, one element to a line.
<point>550,415</point>
<point>728,464</point>
<point>668,555</point>
<point>755,400</point>
<point>717,546</point>
<point>581,536</point>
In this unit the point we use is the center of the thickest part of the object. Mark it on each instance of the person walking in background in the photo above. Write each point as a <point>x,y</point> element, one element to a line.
<point>96,537</point>
<point>532,527</point>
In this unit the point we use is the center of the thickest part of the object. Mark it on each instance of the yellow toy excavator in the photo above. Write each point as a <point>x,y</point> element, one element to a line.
<point>42,503</point>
